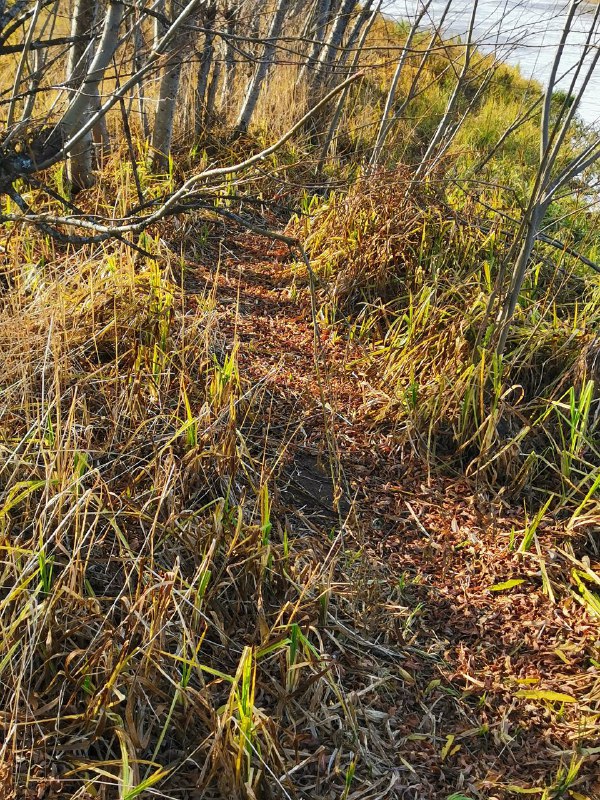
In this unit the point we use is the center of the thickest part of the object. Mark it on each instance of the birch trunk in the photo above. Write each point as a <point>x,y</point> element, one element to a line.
<point>262,68</point>
<point>321,17</point>
<point>79,165</point>
<point>82,107</point>
<point>332,45</point>
<point>162,133</point>
<point>231,19</point>
<point>206,60</point>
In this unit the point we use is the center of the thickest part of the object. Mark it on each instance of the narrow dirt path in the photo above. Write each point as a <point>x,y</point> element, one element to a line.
<point>474,707</point>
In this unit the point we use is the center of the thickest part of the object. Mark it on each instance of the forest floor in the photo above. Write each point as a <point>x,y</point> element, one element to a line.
<point>482,672</point>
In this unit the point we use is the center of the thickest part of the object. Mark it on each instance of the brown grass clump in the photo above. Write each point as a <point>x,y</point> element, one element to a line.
<point>386,238</point>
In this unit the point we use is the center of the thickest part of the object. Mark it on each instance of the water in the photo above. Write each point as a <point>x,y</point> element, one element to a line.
<point>523,33</point>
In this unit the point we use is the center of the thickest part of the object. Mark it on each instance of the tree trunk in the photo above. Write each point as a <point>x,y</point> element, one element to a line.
<point>82,107</point>
<point>138,48</point>
<point>361,20</point>
<point>366,27</point>
<point>447,117</point>
<point>79,166</point>
<point>211,95</point>
<point>162,133</point>
<point>519,273</point>
<point>231,18</point>
<point>317,32</point>
<point>414,85</point>
<point>331,47</point>
<point>262,68</point>
<point>159,26</point>
<point>208,20</point>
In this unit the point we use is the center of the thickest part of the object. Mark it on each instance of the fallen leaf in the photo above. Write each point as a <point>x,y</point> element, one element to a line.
<point>500,587</point>
<point>546,694</point>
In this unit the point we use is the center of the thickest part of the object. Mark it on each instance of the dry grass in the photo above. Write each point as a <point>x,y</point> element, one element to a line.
<point>159,626</point>
<point>409,272</point>
<point>229,574</point>
<point>181,617</point>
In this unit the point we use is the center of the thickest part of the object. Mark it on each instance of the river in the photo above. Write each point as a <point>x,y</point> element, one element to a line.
<point>523,33</point>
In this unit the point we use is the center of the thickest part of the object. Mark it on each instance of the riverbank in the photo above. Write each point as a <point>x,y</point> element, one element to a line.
<point>523,35</point>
